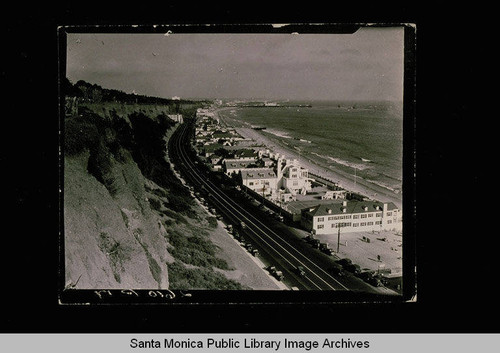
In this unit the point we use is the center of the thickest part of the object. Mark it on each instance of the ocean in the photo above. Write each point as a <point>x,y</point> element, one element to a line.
<point>362,138</point>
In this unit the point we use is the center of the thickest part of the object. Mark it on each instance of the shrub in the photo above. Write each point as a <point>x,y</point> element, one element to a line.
<point>195,250</point>
<point>177,217</point>
<point>212,222</point>
<point>181,277</point>
<point>79,135</point>
<point>155,203</point>
<point>178,203</point>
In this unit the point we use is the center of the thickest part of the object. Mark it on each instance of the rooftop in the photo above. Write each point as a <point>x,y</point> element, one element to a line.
<point>352,206</point>
<point>236,164</point>
<point>258,173</point>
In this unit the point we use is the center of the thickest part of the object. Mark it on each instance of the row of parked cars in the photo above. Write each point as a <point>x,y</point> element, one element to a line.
<point>369,277</point>
<point>315,243</point>
<point>250,248</point>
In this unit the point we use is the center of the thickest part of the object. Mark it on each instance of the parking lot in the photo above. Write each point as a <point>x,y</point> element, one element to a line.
<point>371,251</point>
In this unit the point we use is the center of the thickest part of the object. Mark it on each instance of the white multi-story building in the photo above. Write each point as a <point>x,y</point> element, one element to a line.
<point>293,177</point>
<point>352,216</point>
<point>261,180</point>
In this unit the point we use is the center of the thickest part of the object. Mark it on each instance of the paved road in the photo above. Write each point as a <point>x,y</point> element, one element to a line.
<point>275,245</point>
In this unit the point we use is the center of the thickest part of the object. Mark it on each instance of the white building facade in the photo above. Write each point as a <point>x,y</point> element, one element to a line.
<point>293,177</point>
<point>261,180</point>
<point>352,216</point>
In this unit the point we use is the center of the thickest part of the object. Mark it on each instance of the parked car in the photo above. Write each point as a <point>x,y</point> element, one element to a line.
<point>353,268</point>
<point>300,271</point>
<point>365,276</point>
<point>374,281</point>
<point>383,280</point>
<point>275,273</point>
<point>344,262</point>
<point>337,270</point>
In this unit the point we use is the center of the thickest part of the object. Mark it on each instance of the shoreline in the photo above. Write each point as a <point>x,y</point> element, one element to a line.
<point>345,180</point>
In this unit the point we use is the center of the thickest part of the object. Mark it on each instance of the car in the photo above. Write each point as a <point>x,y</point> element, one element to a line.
<point>374,281</point>
<point>383,280</point>
<point>344,262</point>
<point>353,268</point>
<point>328,251</point>
<point>275,273</point>
<point>308,238</point>
<point>243,225</point>
<point>337,271</point>
<point>300,271</point>
<point>365,276</point>
<point>315,243</point>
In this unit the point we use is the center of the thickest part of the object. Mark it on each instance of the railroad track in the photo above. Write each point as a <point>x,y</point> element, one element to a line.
<point>269,241</point>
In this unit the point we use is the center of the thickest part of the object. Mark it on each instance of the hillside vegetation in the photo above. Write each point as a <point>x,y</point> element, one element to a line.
<point>128,221</point>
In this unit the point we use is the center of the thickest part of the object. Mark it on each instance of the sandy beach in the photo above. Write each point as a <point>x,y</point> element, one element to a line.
<point>278,145</point>
<point>386,244</point>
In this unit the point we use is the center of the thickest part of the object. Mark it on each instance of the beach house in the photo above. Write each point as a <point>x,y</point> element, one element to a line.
<point>351,216</point>
<point>261,180</point>
<point>293,177</point>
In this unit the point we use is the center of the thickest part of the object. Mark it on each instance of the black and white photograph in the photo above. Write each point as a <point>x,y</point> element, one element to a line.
<point>237,163</point>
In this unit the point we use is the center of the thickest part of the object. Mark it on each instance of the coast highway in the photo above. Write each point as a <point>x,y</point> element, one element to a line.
<point>272,245</point>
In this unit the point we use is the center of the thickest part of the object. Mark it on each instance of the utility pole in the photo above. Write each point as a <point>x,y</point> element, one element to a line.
<point>338,238</point>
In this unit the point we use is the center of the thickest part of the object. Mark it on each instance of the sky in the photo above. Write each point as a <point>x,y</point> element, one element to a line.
<point>365,65</point>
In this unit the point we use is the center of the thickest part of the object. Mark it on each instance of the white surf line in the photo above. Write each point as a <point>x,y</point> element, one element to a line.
<point>236,207</point>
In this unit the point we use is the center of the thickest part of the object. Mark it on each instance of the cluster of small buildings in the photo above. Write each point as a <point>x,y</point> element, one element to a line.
<point>281,181</point>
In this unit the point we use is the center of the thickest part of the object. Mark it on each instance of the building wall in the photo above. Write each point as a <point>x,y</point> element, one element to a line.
<point>294,178</point>
<point>257,184</point>
<point>357,222</point>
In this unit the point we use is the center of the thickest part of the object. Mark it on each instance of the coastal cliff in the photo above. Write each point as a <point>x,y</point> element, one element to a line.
<point>111,241</point>
<point>113,238</point>
<point>128,222</point>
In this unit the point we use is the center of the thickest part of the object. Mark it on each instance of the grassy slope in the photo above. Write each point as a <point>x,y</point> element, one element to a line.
<point>127,223</point>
